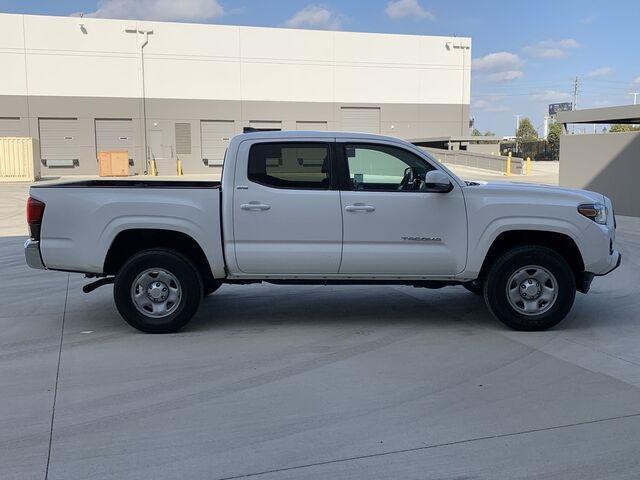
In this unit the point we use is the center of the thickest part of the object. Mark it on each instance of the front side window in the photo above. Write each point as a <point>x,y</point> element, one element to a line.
<point>290,165</point>
<point>385,168</point>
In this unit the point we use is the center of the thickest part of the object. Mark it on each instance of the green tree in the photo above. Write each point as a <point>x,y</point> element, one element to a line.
<point>489,133</point>
<point>526,132</point>
<point>618,128</point>
<point>555,130</point>
<point>475,132</point>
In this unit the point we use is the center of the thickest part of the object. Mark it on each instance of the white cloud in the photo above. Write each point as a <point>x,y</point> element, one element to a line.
<point>636,80</point>
<point>497,62</point>
<point>499,66</point>
<point>506,76</point>
<point>600,72</point>
<point>316,16</point>
<point>490,104</point>
<point>551,96</point>
<point>552,48</point>
<point>407,8</point>
<point>163,10</point>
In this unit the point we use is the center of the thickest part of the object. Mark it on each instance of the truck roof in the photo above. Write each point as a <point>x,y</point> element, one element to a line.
<point>285,134</point>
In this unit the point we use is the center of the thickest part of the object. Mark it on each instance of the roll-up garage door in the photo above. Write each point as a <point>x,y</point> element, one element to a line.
<point>59,141</point>
<point>311,126</point>
<point>112,134</point>
<point>10,127</point>
<point>215,136</point>
<point>358,119</point>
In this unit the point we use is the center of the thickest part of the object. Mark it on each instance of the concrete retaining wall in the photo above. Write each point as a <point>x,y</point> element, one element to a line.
<point>477,160</point>
<point>607,163</point>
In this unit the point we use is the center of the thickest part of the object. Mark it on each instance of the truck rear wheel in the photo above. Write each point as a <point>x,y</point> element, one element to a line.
<point>530,288</point>
<point>158,291</point>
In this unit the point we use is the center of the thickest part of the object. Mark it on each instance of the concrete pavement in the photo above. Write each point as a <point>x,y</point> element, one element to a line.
<point>284,382</point>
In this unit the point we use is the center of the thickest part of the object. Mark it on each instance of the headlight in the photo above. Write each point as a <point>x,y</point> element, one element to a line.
<point>595,211</point>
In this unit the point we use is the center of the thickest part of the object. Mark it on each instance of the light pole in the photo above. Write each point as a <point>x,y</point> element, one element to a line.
<point>635,97</point>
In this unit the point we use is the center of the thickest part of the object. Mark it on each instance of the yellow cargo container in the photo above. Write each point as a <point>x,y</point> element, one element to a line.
<point>19,159</point>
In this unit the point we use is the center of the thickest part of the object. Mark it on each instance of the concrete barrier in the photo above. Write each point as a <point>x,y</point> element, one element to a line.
<point>494,163</point>
<point>19,159</point>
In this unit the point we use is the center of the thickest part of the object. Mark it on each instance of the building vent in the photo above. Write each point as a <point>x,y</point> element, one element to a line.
<point>183,138</point>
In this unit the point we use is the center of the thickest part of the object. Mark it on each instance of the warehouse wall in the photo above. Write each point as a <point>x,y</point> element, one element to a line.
<point>607,163</point>
<point>217,72</point>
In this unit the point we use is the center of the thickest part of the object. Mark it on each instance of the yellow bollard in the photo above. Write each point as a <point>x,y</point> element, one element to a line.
<point>179,167</point>
<point>508,172</point>
<point>154,168</point>
<point>528,165</point>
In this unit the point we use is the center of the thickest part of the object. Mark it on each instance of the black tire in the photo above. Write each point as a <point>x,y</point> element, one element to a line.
<point>516,260</point>
<point>188,284</point>
<point>211,287</point>
<point>474,286</point>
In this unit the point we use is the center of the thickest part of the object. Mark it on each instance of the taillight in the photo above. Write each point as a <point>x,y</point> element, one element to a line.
<point>35,211</point>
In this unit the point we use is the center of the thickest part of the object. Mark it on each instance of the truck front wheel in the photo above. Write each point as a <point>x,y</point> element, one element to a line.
<point>530,288</point>
<point>158,291</point>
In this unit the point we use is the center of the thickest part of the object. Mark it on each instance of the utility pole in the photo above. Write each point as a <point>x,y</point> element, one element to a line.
<point>517,123</point>
<point>635,97</point>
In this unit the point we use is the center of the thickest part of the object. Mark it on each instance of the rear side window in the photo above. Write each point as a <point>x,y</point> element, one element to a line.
<point>298,165</point>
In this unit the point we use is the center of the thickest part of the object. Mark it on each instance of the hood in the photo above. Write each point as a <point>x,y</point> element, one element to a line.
<point>538,189</point>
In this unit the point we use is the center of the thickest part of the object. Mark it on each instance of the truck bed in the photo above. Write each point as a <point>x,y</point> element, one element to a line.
<point>83,218</point>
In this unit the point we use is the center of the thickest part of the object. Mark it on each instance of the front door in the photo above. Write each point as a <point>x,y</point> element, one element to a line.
<point>286,217</point>
<point>391,225</point>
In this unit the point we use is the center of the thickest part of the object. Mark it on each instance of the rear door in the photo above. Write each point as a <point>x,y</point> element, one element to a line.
<point>389,227</point>
<point>286,214</point>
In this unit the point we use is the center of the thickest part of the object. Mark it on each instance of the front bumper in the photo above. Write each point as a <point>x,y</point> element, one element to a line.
<point>616,263</point>
<point>32,254</point>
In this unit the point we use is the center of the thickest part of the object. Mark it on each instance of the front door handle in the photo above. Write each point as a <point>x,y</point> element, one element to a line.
<point>255,206</point>
<point>359,207</point>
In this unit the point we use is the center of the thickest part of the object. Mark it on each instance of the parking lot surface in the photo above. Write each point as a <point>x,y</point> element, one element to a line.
<point>289,382</point>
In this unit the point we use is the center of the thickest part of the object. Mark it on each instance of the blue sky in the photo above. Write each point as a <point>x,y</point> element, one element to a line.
<point>526,53</point>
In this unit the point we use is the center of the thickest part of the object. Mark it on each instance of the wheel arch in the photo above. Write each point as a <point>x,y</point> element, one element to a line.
<point>131,241</point>
<point>561,243</point>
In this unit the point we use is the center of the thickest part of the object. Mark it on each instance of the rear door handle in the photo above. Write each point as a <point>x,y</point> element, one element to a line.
<point>255,206</point>
<point>359,207</point>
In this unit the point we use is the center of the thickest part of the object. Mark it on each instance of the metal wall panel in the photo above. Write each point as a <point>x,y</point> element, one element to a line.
<point>59,141</point>
<point>311,126</point>
<point>265,124</point>
<point>215,136</point>
<point>358,119</point>
<point>10,127</point>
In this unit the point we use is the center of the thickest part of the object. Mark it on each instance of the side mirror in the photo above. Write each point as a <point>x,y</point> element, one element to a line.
<point>436,181</point>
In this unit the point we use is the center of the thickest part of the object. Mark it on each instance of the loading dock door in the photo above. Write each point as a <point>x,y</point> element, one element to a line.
<point>114,135</point>
<point>358,119</point>
<point>215,136</point>
<point>10,127</point>
<point>59,141</point>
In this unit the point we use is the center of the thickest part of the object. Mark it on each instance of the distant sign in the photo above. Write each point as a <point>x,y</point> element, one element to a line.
<point>560,107</point>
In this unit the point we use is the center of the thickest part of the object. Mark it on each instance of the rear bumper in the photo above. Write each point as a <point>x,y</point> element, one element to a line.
<point>32,254</point>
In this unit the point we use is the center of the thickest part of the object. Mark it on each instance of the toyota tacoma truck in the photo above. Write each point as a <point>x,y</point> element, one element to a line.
<point>324,208</point>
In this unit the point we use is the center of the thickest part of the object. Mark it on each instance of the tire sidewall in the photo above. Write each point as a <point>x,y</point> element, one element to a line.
<point>179,266</point>
<point>496,285</point>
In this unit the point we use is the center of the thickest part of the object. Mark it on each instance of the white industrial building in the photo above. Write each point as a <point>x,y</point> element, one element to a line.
<point>169,91</point>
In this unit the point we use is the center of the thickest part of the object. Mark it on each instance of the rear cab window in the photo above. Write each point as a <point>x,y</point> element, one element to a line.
<point>297,165</point>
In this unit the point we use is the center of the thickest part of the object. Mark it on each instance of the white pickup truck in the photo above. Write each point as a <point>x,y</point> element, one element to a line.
<point>324,208</point>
